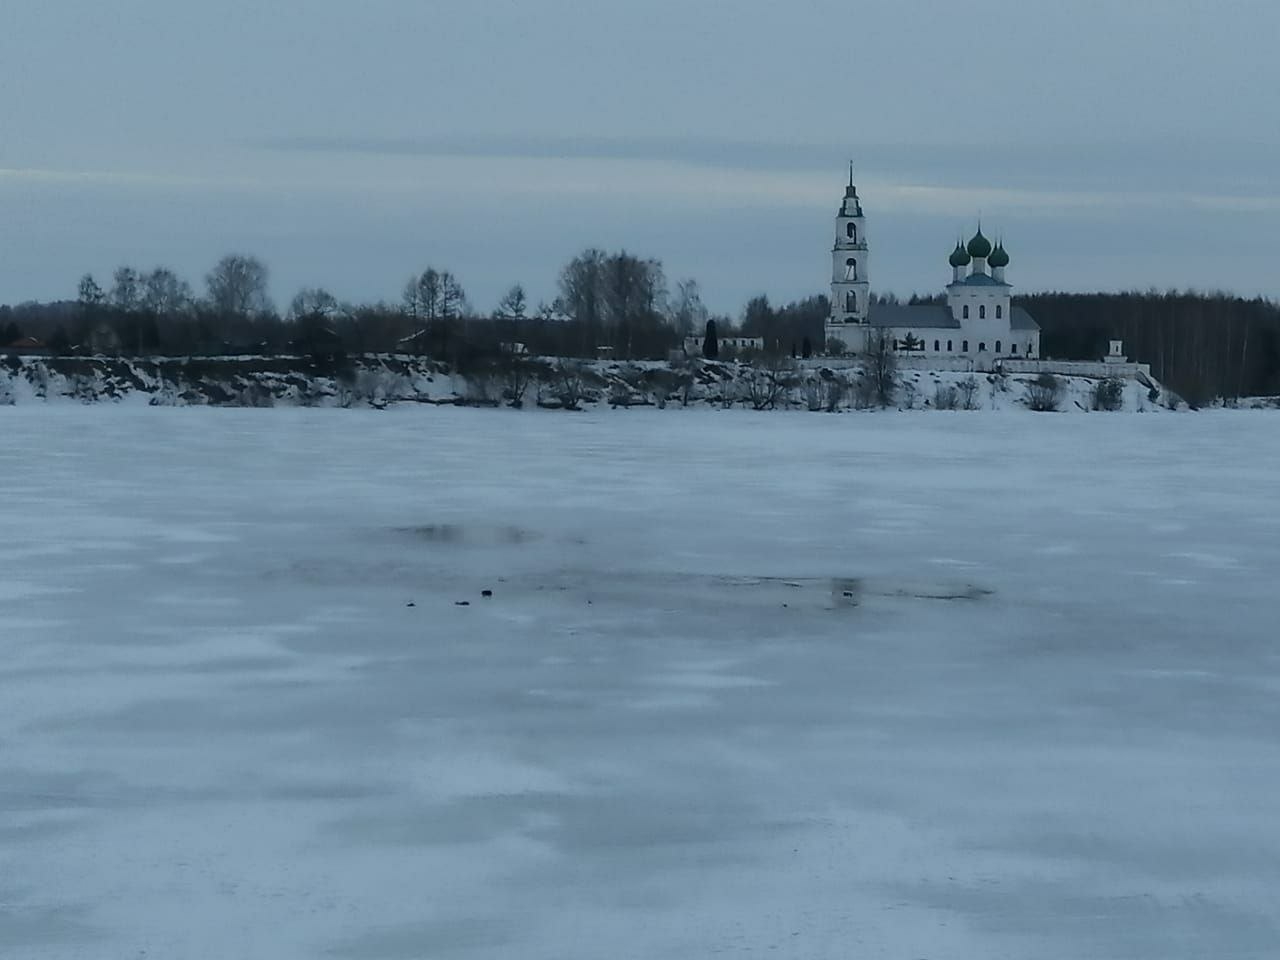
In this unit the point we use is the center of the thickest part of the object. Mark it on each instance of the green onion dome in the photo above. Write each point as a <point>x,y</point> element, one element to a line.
<point>979,246</point>
<point>959,256</point>
<point>999,256</point>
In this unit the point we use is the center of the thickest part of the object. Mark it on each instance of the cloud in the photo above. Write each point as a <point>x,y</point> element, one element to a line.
<point>617,173</point>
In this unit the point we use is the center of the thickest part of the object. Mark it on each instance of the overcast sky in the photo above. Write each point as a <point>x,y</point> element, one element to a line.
<point>1114,144</point>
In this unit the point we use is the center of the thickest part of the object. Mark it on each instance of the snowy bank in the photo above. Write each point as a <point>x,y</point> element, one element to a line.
<point>381,380</point>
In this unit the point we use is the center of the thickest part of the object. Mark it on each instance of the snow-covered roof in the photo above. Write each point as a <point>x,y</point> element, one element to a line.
<point>1019,319</point>
<point>979,280</point>
<point>924,315</point>
<point>935,316</point>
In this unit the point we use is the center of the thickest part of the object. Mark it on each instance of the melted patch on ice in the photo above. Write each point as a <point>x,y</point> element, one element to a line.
<point>456,534</point>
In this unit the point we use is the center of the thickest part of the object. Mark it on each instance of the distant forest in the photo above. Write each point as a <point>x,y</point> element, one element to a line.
<point>1202,345</point>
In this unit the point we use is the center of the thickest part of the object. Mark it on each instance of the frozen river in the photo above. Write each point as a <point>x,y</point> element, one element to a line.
<point>244,715</point>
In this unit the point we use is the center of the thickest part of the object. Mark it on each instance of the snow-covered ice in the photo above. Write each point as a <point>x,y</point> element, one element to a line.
<point>1050,729</point>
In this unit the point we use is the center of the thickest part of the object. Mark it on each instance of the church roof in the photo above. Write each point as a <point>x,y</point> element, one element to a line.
<point>935,316</point>
<point>1019,319</point>
<point>924,315</point>
<point>979,280</point>
<point>979,246</point>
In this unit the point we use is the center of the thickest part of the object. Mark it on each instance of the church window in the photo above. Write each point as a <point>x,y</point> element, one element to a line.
<point>964,346</point>
<point>935,347</point>
<point>851,231</point>
<point>966,311</point>
<point>982,347</point>
<point>851,269</point>
<point>982,312</point>
<point>997,346</point>
<point>948,346</point>
<point>999,311</point>
<point>851,303</point>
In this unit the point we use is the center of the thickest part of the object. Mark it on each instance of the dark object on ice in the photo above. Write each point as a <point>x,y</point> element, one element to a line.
<point>486,593</point>
<point>846,592</point>
<point>462,603</point>
<point>410,604</point>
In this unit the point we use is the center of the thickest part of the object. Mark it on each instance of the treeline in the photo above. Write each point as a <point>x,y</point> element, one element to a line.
<point>1204,346</point>
<point>615,304</point>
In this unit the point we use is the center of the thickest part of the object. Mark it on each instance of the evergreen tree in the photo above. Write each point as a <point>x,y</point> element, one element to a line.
<point>60,343</point>
<point>806,348</point>
<point>711,342</point>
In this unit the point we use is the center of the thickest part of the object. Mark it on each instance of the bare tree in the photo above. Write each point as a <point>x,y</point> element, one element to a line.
<point>411,300</point>
<point>1044,393</point>
<point>89,301</point>
<point>429,295</point>
<point>683,379</point>
<point>89,295</point>
<point>633,294</point>
<point>570,384</point>
<point>237,286</point>
<point>864,391</point>
<point>688,313</point>
<point>880,367</point>
<point>513,304</point>
<point>126,293</point>
<point>515,373</point>
<point>910,395</point>
<point>165,294</point>
<point>769,383</point>
<point>837,387</point>
<point>1108,394</point>
<point>453,299</point>
<point>580,295</point>
<point>968,391</point>
<point>314,302</point>
<point>814,393</point>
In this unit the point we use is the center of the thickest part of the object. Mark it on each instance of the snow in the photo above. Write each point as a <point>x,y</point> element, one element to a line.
<point>381,379</point>
<point>1047,730</point>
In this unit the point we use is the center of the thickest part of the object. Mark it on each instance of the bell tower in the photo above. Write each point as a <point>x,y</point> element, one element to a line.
<point>850,284</point>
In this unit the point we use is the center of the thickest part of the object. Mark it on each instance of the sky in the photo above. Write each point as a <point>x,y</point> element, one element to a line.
<point>1113,145</point>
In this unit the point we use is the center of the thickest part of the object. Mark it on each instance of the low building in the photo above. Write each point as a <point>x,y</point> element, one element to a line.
<point>27,346</point>
<point>693,345</point>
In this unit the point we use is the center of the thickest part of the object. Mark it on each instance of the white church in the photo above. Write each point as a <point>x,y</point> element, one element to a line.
<point>978,320</point>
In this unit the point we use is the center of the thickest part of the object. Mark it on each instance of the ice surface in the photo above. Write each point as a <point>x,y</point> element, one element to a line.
<point>1049,729</point>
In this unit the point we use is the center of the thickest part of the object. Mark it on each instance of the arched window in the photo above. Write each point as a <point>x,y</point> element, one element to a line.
<point>966,311</point>
<point>982,347</point>
<point>964,346</point>
<point>851,269</point>
<point>850,302</point>
<point>997,346</point>
<point>935,347</point>
<point>999,311</point>
<point>851,231</point>
<point>948,346</point>
<point>982,312</point>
